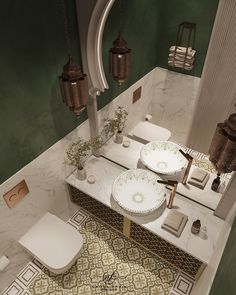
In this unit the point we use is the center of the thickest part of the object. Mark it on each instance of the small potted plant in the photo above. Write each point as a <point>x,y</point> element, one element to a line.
<point>115,126</point>
<point>76,154</point>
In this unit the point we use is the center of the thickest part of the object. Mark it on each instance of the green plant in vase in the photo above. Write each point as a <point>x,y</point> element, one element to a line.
<point>116,125</point>
<point>77,153</point>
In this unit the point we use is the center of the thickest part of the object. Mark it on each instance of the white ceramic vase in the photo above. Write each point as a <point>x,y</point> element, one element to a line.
<point>119,137</point>
<point>81,174</point>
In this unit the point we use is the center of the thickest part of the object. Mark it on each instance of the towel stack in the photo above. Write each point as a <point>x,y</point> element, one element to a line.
<point>179,58</point>
<point>199,178</point>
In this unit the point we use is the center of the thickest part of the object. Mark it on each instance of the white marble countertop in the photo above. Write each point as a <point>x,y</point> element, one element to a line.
<point>129,158</point>
<point>106,172</point>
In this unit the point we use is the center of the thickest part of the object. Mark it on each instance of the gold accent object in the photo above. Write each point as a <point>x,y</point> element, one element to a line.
<point>190,161</point>
<point>126,227</point>
<point>174,185</point>
<point>14,195</point>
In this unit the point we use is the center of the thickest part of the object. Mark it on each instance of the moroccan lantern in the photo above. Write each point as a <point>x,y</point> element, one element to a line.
<point>74,87</point>
<point>119,60</point>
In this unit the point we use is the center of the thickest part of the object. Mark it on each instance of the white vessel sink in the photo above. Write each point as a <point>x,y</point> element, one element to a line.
<point>163,157</point>
<point>137,191</point>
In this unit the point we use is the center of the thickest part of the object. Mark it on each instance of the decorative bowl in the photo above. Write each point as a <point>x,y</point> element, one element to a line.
<point>137,191</point>
<point>163,157</point>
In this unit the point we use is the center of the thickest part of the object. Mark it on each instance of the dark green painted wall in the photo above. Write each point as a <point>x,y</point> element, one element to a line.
<point>174,12</point>
<point>33,50</point>
<point>225,279</point>
<point>140,20</point>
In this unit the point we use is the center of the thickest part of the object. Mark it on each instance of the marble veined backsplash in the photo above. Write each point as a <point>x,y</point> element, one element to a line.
<point>168,96</point>
<point>173,102</point>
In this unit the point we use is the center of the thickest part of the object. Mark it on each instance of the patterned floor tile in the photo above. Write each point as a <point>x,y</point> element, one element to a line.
<point>78,218</point>
<point>182,285</point>
<point>37,263</point>
<point>14,289</point>
<point>109,264</point>
<point>28,274</point>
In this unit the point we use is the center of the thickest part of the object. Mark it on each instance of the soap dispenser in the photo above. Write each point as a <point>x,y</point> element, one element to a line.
<point>216,183</point>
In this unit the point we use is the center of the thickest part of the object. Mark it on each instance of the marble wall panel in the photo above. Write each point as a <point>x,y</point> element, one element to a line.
<point>168,96</point>
<point>173,102</point>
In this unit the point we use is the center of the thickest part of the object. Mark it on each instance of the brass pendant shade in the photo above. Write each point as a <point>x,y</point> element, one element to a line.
<point>119,60</point>
<point>223,146</point>
<point>74,87</point>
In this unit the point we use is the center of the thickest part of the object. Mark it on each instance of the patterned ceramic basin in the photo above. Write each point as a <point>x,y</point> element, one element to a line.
<point>163,157</point>
<point>137,191</point>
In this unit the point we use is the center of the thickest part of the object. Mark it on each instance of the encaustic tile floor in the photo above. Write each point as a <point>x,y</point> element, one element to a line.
<point>108,264</point>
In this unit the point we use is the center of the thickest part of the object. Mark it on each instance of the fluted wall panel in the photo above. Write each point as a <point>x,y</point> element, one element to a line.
<point>217,92</point>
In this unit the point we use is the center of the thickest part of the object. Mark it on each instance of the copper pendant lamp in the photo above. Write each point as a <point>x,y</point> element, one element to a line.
<point>119,60</point>
<point>223,146</point>
<point>73,82</point>
<point>74,87</point>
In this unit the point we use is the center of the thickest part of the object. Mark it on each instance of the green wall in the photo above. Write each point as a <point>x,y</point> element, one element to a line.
<point>33,50</point>
<point>225,279</point>
<point>139,22</point>
<point>175,12</point>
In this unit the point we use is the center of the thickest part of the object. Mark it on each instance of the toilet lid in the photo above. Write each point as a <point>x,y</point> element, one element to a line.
<point>54,242</point>
<point>150,132</point>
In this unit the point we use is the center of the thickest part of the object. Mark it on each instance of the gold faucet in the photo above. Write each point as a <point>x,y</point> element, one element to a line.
<point>174,185</point>
<point>187,170</point>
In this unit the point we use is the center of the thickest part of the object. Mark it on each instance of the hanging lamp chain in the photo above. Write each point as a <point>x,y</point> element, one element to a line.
<point>66,26</point>
<point>121,16</point>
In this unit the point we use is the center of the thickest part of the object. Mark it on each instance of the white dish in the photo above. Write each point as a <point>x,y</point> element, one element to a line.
<point>163,157</point>
<point>137,191</point>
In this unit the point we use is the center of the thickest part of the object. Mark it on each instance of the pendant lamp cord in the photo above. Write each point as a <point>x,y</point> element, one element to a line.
<point>66,26</point>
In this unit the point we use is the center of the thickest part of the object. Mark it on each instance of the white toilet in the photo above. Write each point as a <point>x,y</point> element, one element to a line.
<point>53,242</point>
<point>145,132</point>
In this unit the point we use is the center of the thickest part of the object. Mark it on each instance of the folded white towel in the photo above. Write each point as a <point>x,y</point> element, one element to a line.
<point>182,50</point>
<point>181,57</point>
<point>174,64</point>
<point>180,63</point>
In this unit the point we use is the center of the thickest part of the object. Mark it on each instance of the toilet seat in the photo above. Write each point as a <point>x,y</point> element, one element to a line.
<point>53,242</point>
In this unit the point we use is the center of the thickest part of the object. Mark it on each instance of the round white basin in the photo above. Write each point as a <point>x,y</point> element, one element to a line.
<point>163,157</point>
<point>137,191</point>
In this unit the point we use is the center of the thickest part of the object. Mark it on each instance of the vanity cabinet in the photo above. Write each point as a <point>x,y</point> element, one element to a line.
<point>190,253</point>
<point>158,246</point>
<point>96,208</point>
<point>187,263</point>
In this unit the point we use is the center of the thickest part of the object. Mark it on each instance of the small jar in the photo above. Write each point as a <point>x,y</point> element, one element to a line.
<point>195,229</point>
<point>216,183</point>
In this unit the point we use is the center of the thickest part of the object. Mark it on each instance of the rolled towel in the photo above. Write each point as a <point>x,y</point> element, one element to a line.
<point>181,57</point>
<point>180,63</point>
<point>182,50</point>
<point>174,64</point>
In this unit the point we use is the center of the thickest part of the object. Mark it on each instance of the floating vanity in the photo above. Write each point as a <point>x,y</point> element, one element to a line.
<point>189,252</point>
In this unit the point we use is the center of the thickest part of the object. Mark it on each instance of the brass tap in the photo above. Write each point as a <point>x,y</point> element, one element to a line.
<point>187,170</point>
<point>174,185</point>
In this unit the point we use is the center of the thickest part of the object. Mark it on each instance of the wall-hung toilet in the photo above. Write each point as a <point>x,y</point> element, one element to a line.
<point>145,132</point>
<point>53,242</point>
